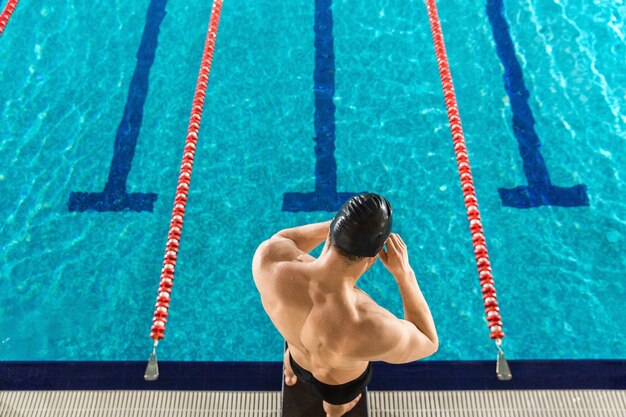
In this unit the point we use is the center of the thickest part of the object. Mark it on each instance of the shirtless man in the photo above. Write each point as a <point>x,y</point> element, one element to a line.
<point>332,328</point>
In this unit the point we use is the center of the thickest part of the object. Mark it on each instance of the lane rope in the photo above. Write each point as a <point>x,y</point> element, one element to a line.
<point>488,289</point>
<point>6,14</point>
<point>159,319</point>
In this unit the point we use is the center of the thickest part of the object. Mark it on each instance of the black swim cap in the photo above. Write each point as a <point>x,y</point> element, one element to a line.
<point>362,225</point>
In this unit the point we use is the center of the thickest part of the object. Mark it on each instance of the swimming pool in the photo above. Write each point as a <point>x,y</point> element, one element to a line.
<point>82,282</point>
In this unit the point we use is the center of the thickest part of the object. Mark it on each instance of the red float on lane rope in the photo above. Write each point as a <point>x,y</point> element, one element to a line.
<point>6,14</point>
<point>488,289</point>
<point>178,213</point>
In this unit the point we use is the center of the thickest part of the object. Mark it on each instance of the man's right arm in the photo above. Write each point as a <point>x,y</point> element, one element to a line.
<point>416,309</point>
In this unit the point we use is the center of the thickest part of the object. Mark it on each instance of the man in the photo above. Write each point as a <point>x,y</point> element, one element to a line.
<point>332,328</point>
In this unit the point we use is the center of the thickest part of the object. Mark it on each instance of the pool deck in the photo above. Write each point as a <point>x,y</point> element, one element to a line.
<point>535,403</point>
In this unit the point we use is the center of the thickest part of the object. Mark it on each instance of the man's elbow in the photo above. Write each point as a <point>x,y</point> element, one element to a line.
<point>280,235</point>
<point>431,349</point>
<point>424,352</point>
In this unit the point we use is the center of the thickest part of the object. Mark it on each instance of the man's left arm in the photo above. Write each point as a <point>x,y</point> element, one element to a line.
<point>306,237</point>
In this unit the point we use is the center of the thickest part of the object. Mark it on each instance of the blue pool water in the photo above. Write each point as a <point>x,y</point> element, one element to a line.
<point>81,285</point>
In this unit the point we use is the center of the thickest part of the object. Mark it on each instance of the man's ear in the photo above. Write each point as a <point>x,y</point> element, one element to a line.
<point>326,243</point>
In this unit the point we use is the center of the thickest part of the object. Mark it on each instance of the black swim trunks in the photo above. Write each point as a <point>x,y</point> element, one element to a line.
<point>333,394</point>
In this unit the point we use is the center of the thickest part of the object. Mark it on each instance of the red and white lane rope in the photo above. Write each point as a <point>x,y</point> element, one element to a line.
<point>6,14</point>
<point>178,213</point>
<point>487,284</point>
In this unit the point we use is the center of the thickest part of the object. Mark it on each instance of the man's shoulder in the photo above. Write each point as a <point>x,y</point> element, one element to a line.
<point>273,251</point>
<point>370,313</point>
<point>364,336</point>
<point>284,282</point>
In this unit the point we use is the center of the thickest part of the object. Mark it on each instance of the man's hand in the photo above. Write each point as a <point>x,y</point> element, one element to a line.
<point>396,259</point>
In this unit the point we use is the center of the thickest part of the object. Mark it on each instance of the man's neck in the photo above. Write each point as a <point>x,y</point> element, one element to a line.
<point>337,271</point>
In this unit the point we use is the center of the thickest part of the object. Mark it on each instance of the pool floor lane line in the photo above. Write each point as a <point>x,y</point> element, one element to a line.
<point>114,197</point>
<point>540,191</point>
<point>325,197</point>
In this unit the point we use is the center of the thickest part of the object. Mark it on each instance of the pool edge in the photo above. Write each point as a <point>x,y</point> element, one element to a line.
<point>266,376</point>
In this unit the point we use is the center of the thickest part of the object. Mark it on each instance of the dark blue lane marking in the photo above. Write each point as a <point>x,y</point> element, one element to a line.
<point>540,191</point>
<point>114,197</point>
<point>325,197</point>
<point>266,376</point>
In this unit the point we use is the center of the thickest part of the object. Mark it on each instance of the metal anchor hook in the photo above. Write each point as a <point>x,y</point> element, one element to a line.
<point>152,370</point>
<point>503,371</point>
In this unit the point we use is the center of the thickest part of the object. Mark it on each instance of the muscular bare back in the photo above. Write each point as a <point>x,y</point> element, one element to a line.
<point>332,330</point>
<point>318,325</point>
